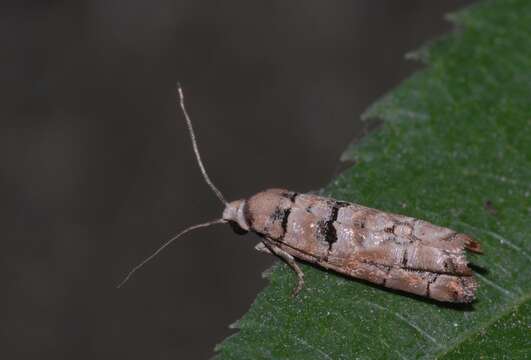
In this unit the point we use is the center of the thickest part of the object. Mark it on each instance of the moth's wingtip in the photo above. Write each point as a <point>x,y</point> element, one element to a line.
<point>469,243</point>
<point>473,245</point>
<point>470,286</point>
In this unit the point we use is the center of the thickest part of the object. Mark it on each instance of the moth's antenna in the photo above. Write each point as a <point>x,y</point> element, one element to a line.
<point>213,222</point>
<point>196,148</point>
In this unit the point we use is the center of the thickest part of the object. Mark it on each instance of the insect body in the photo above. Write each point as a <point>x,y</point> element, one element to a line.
<point>390,250</point>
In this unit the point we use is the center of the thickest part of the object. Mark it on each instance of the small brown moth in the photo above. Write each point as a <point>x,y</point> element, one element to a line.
<point>391,250</point>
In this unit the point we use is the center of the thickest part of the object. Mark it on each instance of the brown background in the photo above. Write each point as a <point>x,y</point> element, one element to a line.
<point>97,171</point>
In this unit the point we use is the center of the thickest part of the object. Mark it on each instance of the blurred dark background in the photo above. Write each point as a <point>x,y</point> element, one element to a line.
<point>97,169</point>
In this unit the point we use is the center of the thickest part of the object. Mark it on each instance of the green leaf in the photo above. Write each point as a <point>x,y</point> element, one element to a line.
<point>455,149</point>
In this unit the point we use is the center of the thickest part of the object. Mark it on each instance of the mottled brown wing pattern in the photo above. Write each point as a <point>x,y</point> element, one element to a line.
<point>391,250</point>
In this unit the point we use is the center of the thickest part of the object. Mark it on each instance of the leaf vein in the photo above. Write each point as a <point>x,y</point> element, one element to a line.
<point>496,286</point>
<point>409,322</point>
<point>483,325</point>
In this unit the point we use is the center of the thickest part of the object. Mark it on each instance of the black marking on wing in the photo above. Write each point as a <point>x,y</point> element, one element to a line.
<point>431,281</point>
<point>285,219</point>
<point>281,214</point>
<point>404,258</point>
<point>327,228</point>
<point>291,195</point>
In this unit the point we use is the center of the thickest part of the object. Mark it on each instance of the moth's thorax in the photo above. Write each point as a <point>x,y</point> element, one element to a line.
<point>266,210</point>
<point>257,212</point>
<point>234,213</point>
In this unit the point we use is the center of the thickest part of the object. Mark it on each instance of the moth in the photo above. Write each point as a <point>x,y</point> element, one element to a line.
<point>390,250</point>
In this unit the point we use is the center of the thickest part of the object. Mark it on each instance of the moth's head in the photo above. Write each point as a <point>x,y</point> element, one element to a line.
<point>234,214</point>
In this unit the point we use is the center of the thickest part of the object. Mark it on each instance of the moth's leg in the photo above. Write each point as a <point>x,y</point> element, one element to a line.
<point>262,248</point>
<point>290,260</point>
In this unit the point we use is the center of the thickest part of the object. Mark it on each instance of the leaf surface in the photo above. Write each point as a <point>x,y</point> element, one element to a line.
<point>454,149</point>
